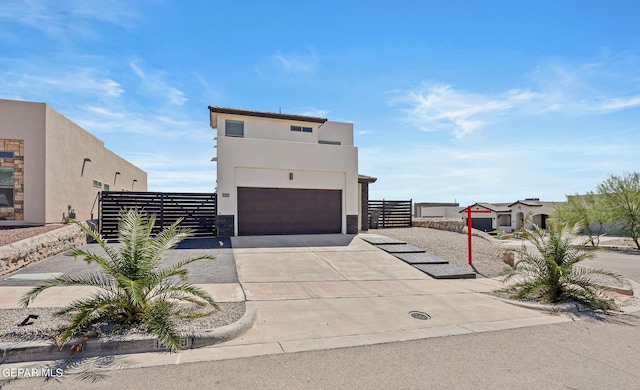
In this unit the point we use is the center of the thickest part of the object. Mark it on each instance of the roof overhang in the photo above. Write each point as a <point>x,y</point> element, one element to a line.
<point>214,110</point>
<point>366,179</point>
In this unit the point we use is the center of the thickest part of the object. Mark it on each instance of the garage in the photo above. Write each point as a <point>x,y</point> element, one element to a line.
<point>263,211</point>
<point>483,224</point>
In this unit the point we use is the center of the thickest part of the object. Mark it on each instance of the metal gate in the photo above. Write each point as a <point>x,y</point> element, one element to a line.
<point>198,210</point>
<point>390,213</point>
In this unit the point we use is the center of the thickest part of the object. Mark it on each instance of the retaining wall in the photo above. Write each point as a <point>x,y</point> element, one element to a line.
<point>33,249</point>
<point>450,224</point>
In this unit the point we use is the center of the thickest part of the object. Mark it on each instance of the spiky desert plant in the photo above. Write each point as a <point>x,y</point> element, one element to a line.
<point>134,289</point>
<point>552,272</point>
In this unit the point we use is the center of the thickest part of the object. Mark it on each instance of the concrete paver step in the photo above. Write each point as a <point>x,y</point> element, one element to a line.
<point>420,258</point>
<point>400,248</point>
<point>383,240</point>
<point>445,271</point>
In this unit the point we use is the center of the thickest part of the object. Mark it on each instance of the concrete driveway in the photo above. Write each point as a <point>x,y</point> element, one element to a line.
<point>327,292</point>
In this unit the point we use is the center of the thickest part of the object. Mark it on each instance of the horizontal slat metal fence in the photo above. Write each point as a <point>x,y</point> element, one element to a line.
<point>198,210</point>
<point>391,213</point>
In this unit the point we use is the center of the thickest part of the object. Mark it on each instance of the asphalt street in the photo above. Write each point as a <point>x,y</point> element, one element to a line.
<point>623,263</point>
<point>587,354</point>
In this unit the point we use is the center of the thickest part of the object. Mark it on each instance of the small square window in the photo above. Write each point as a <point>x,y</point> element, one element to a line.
<point>302,129</point>
<point>106,187</point>
<point>234,128</point>
<point>6,177</point>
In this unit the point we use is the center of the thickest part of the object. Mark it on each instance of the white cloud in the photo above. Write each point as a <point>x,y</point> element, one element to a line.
<point>154,83</point>
<point>440,107</point>
<point>292,63</point>
<point>295,63</point>
<point>64,20</point>
<point>593,88</point>
<point>74,80</point>
<point>311,111</point>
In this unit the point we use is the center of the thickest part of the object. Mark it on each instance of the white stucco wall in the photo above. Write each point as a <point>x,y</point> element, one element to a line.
<point>54,153</point>
<point>439,212</point>
<point>280,129</point>
<point>337,132</point>
<point>270,151</point>
<point>69,179</point>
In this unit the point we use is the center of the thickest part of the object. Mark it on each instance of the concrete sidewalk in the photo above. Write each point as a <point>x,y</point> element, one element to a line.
<point>341,293</point>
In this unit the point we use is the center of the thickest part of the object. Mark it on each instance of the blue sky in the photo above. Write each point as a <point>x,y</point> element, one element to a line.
<point>451,101</point>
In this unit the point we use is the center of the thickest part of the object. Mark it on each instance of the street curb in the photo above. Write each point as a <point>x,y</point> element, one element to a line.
<point>40,351</point>
<point>559,308</point>
<point>576,307</point>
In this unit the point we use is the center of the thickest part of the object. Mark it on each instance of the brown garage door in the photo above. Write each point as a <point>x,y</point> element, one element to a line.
<point>288,211</point>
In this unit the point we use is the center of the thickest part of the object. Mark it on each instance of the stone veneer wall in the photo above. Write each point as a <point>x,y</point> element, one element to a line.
<point>15,213</point>
<point>449,224</point>
<point>33,249</point>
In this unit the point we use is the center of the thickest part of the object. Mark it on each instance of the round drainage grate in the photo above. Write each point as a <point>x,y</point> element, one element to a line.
<point>420,315</point>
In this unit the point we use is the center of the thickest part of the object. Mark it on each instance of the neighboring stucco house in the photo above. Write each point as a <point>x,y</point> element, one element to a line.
<point>47,163</point>
<point>436,210</point>
<point>510,216</point>
<point>285,174</point>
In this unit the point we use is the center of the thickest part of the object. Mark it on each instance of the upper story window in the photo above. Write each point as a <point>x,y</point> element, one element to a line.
<point>233,128</point>
<point>4,154</point>
<point>329,142</point>
<point>302,129</point>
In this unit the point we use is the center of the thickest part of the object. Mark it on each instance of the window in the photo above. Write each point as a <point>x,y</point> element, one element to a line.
<point>4,154</point>
<point>106,187</point>
<point>97,183</point>
<point>302,129</point>
<point>233,128</point>
<point>6,186</point>
<point>329,142</point>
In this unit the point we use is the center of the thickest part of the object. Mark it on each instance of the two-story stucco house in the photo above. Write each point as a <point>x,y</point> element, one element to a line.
<point>284,174</point>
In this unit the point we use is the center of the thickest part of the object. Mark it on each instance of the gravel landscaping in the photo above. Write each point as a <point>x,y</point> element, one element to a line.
<point>46,324</point>
<point>13,234</point>
<point>44,327</point>
<point>452,246</point>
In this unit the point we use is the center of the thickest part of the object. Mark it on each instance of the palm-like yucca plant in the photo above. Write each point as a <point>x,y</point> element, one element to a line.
<point>552,272</point>
<point>134,288</point>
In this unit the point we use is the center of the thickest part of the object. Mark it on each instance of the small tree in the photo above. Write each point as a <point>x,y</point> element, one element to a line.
<point>621,194</point>
<point>551,272</point>
<point>134,289</point>
<point>586,212</point>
